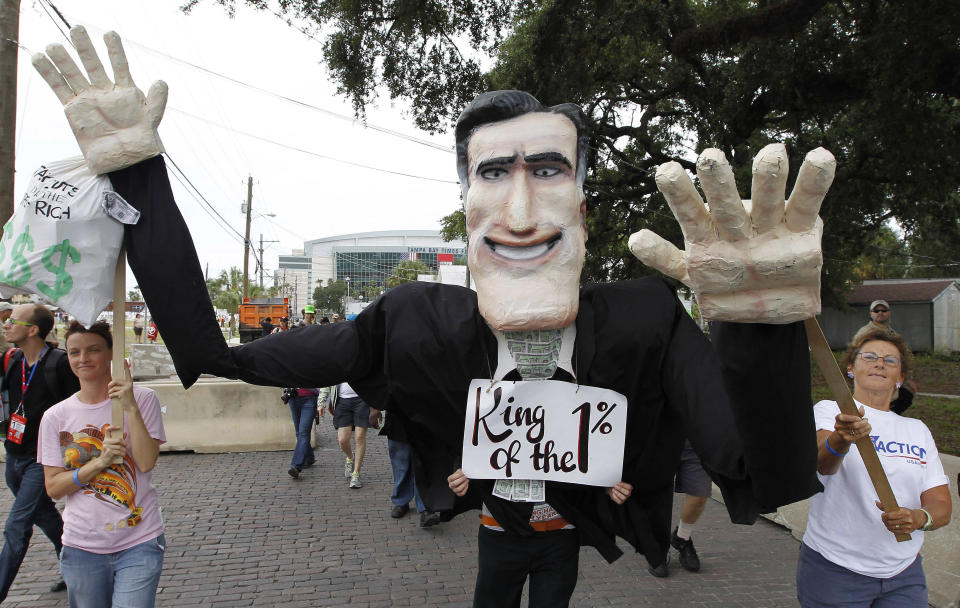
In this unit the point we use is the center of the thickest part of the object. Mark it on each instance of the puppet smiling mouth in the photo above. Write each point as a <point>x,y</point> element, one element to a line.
<point>525,252</point>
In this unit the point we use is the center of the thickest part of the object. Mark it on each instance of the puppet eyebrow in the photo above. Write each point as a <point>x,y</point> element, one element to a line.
<point>542,157</point>
<point>499,161</point>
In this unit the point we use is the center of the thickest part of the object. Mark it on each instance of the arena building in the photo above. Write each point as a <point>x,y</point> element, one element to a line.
<point>367,258</point>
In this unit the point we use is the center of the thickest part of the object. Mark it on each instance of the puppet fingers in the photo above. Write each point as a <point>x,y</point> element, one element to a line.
<point>88,57</point>
<point>52,77</point>
<point>813,181</point>
<point>118,60</point>
<point>685,202</point>
<point>156,102</point>
<point>726,209</point>
<point>656,252</point>
<point>770,170</point>
<point>68,69</point>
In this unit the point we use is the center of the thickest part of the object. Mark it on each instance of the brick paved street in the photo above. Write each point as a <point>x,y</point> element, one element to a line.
<point>240,532</point>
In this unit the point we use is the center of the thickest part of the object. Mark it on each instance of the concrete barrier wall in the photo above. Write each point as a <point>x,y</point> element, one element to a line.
<point>941,547</point>
<point>224,416</point>
<point>148,361</point>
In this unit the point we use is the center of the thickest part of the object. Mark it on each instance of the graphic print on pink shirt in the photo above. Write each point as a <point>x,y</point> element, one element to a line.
<point>116,484</point>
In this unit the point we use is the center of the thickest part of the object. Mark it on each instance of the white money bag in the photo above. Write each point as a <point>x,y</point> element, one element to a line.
<point>60,244</point>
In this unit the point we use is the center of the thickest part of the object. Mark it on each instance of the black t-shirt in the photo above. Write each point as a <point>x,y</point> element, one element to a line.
<point>267,328</point>
<point>40,397</point>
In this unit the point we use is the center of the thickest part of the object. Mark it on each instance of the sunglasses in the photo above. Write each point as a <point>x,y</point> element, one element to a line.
<point>881,310</point>
<point>12,321</point>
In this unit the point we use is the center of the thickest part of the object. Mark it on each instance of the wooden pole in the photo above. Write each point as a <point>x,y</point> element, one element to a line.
<point>9,34</point>
<point>119,334</point>
<point>246,241</point>
<point>841,392</point>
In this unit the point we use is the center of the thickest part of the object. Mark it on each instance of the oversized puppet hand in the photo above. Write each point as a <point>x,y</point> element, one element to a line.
<point>756,263</point>
<point>115,125</point>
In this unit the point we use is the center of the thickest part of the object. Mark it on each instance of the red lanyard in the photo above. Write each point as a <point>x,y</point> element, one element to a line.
<point>24,381</point>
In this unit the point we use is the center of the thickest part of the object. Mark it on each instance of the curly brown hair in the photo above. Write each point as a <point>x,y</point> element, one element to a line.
<point>101,328</point>
<point>906,356</point>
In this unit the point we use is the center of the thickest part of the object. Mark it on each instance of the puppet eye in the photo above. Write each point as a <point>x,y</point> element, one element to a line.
<point>493,173</point>
<point>546,171</point>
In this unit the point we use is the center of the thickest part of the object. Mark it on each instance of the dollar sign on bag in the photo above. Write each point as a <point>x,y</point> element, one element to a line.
<point>24,241</point>
<point>63,282</point>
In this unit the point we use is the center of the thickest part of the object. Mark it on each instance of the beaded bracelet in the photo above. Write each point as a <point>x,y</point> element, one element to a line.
<point>76,477</point>
<point>826,442</point>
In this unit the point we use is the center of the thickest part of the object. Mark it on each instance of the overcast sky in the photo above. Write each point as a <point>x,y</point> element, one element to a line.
<point>217,130</point>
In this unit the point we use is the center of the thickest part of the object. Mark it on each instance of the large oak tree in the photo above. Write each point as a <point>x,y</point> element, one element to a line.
<point>874,81</point>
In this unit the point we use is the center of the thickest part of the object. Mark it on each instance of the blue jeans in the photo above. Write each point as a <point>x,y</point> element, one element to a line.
<point>125,579</point>
<point>404,487</point>
<point>303,410</point>
<point>822,583</point>
<point>31,506</point>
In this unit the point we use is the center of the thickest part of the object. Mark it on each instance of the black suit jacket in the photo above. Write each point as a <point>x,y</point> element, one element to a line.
<point>743,401</point>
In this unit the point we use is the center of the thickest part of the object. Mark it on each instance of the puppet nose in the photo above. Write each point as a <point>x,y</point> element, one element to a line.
<point>519,208</point>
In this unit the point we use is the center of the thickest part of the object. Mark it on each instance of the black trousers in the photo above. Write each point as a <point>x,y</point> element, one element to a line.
<point>551,559</point>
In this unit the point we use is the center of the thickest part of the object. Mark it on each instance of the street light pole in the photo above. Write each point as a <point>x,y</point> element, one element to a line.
<point>261,250</point>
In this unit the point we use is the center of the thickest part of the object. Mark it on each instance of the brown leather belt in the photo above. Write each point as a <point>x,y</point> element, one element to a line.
<point>540,526</point>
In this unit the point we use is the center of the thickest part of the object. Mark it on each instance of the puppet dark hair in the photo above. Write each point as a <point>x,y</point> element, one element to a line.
<point>497,106</point>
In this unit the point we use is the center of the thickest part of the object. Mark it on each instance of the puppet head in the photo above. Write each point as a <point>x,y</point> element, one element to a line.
<point>522,167</point>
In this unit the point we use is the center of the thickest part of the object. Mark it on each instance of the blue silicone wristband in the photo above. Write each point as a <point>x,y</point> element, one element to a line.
<point>76,477</point>
<point>826,442</point>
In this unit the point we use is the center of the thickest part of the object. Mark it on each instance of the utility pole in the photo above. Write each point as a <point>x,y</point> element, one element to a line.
<point>246,241</point>
<point>261,257</point>
<point>9,35</point>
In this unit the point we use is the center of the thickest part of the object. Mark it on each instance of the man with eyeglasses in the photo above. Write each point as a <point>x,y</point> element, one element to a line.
<point>879,319</point>
<point>37,377</point>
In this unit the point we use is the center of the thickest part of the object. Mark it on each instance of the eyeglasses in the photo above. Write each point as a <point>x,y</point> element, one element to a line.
<point>881,310</point>
<point>874,357</point>
<point>12,321</point>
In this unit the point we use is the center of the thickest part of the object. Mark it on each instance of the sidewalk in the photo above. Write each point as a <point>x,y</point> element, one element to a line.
<point>241,532</point>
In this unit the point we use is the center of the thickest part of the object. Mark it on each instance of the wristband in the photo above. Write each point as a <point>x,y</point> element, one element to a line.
<point>826,442</point>
<point>927,526</point>
<point>76,477</point>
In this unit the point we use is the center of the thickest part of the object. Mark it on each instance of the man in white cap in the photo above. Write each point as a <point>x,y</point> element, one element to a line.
<point>879,319</point>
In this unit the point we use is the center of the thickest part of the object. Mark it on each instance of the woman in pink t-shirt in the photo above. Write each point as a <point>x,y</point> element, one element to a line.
<point>113,539</point>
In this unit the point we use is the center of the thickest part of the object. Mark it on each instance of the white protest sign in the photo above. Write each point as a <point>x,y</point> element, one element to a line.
<point>60,244</point>
<point>544,429</point>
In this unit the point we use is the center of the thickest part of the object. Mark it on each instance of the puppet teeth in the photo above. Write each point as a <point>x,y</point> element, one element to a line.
<point>521,253</point>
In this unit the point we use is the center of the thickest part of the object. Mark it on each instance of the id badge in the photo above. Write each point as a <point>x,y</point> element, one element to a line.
<point>18,424</point>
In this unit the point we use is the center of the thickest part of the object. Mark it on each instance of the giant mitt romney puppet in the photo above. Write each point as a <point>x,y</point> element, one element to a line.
<point>446,361</point>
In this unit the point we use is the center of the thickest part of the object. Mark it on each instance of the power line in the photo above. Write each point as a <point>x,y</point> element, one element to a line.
<point>350,119</point>
<point>311,153</point>
<point>205,210</point>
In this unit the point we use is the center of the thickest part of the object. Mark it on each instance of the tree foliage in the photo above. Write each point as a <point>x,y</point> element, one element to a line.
<point>873,81</point>
<point>407,271</point>
<point>329,298</point>
<point>453,227</point>
<point>226,290</point>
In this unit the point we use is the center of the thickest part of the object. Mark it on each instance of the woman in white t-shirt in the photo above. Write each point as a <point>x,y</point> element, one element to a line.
<point>113,539</point>
<point>849,554</point>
